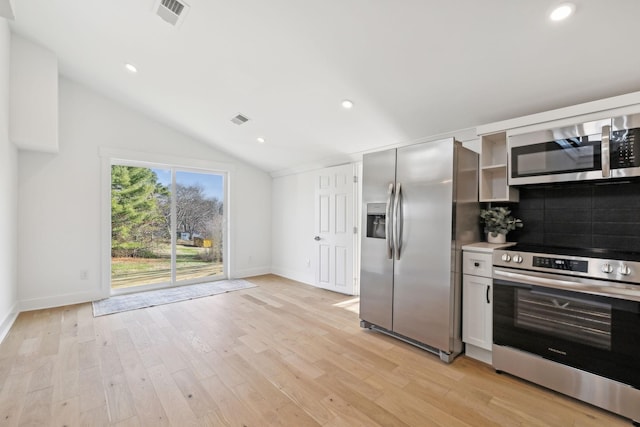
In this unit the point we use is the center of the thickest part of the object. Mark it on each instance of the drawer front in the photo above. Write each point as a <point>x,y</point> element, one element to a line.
<point>476,263</point>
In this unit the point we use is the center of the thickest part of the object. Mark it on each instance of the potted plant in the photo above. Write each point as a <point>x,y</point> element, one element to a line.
<point>498,222</point>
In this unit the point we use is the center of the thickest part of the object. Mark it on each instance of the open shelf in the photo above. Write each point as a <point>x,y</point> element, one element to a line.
<point>493,170</point>
<point>494,167</point>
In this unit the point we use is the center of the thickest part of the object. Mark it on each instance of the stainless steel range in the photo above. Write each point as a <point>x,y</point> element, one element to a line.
<point>569,319</point>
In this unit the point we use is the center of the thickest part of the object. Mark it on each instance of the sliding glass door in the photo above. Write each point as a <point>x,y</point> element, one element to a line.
<point>167,226</point>
<point>199,225</point>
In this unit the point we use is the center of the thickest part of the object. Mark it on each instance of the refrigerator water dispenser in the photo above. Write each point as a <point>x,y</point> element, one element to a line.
<point>376,220</point>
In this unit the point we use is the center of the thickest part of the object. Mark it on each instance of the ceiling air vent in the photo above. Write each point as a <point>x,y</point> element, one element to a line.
<point>171,11</point>
<point>240,119</point>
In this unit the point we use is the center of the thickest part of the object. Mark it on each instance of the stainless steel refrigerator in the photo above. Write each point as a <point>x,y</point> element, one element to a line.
<point>420,205</point>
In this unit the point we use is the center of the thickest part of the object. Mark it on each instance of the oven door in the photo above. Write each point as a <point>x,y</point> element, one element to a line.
<point>594,333</point>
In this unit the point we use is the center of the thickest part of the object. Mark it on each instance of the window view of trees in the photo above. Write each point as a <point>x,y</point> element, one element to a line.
<point>141,226</point>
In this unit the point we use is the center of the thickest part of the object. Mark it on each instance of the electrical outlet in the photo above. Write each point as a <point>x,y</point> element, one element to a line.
<point>84,275</point>
<point>308,262</point>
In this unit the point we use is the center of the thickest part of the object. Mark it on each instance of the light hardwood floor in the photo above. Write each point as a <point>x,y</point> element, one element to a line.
<point>283,354</point>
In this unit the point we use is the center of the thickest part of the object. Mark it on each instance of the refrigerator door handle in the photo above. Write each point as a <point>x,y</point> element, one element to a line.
<point>397,222</point>
<point>388,230</point>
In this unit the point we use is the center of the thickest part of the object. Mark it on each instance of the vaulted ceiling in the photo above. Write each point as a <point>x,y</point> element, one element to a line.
<point>413,68</point>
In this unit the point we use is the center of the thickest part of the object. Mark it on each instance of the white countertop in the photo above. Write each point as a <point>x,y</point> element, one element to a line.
<point>486,247</point>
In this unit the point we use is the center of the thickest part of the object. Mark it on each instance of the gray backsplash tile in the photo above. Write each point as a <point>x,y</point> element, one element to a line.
<point>568,215</point>
<point>567,240</point>
<point>616,215</point>
<point>580,215</point>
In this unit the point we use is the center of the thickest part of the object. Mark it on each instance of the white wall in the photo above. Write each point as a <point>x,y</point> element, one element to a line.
<point>59,198</point>
<point>8,195</point>
<point>33,96</point>
<point>292,227</point>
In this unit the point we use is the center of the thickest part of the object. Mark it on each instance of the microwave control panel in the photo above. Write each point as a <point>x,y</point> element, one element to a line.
<point>625,146</point>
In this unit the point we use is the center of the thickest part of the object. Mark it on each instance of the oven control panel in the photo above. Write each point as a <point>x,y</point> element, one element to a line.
<point>596,268</point>
<point>561,264</point>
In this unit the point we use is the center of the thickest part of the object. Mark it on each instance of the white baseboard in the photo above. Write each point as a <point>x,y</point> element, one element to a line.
<point>248,272</point>
<point>294,275</point>
<point>8,321</point>
<point>60,300</point>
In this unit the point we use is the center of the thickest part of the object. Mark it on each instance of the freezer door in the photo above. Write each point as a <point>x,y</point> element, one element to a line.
<point>376,267</point>
<point>422,308</point>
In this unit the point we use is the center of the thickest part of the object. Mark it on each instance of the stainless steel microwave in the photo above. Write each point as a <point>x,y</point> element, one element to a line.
<point>601,149</point>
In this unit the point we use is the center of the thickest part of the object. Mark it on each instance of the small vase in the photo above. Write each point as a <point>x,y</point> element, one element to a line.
<point>498,238</point>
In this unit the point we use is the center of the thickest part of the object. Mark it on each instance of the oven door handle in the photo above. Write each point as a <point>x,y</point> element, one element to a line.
<point>577,284</point>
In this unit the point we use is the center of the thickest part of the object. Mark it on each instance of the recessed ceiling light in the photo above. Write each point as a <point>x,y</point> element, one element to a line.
<point>562,12</point>
<point>260,140</point>
<point>130,68</point>
<point>346,104</point>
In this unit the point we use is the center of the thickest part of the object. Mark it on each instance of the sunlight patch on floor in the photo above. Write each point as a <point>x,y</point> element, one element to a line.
<point>352,305</point>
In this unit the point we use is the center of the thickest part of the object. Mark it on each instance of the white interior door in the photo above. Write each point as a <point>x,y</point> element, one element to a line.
<point>335,232</point>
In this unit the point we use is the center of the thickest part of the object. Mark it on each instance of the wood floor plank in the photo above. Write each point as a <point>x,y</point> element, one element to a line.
<point>352,398</point>
<point>66,412</point>
<point>195,395</point>
<point>171,356</point>
<point>91,390</point>
<point>50,344</point>
<point>139,335</point>
<point>119,398</point>
<point>88,355</point>
<point>213,419</point>
<point>170,396</point>
<point>280,354</point>
<point>43,375</point>
<point>86,329</point>
<point>284,413</point>
<point>150,357</point>
<point>228,374</point>
<point>37,407</point>
<point>412,408</point>
<point>69,321</point>
<point>130,422</point>
<point>98,417</point>
<point>148,407</point>
<point>230,407</point>
<point>12,398</point>
<point>256,381</point>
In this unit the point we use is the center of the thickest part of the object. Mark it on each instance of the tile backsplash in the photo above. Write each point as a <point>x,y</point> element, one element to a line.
<point>581,215</point>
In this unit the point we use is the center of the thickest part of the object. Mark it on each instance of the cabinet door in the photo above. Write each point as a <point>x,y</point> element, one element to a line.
<point>477,298</point>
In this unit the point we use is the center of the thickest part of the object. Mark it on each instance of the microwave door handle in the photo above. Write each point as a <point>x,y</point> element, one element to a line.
<point>388,233</point>
<point>605,156</point>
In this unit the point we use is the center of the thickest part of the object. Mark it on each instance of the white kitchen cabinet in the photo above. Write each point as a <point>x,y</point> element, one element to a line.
<point>476,306</point>
<point>493,170</point>
<point>477,299</point>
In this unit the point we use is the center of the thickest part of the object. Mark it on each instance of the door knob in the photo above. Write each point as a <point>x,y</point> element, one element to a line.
<point>316,238</point>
